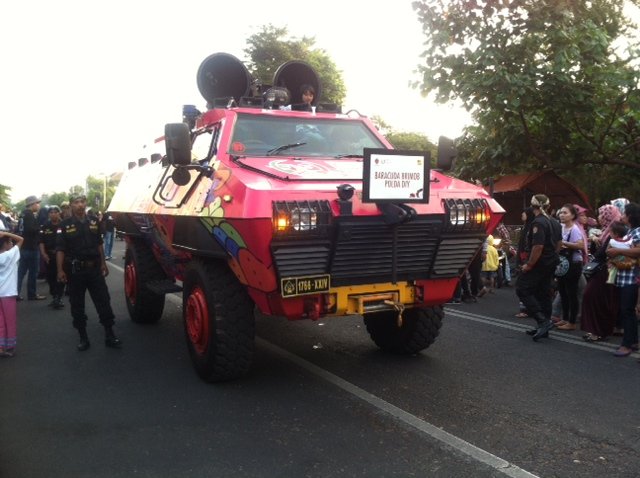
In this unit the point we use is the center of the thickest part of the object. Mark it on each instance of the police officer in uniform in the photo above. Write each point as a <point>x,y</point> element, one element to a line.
<point>533,286</point>
<point>48,239</point>
<point>81,264</point>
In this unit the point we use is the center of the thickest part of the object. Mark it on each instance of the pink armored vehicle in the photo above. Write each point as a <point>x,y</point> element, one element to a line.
<point>298,210</point>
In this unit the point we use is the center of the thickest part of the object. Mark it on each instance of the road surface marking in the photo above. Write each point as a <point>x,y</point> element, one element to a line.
<point>397,413</point>
<point>423,426</point>
<point>561,337</point>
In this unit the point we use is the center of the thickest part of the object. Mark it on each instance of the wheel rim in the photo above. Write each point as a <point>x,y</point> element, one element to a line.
<point>197,320</point>
<point>130,289</point>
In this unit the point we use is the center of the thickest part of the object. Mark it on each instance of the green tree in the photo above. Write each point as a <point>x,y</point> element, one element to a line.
<point>271,47</point>
<point>412,141</point>
<point>99,191</point>
<point>405,139</point>
<point>4,195</point>
<point>381,124</point>
<point>548,83</point>
<point>55,199</point>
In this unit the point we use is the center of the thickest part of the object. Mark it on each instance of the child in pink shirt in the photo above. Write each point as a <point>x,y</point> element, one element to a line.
<point>9,259</point>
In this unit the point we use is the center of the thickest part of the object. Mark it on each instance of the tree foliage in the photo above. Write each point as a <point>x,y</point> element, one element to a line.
<point>4,195</point>
<point>411,141</point>
<point>405,139</point>
<point>99,191</point>
<point>271,47</point>
<point>550,83</point>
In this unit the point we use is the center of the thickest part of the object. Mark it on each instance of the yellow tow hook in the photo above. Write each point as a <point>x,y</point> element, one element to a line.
<point>399,306</point>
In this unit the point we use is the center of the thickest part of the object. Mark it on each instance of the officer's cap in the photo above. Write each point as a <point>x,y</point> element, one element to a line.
<point>31,200</point>
<point>75,197</point>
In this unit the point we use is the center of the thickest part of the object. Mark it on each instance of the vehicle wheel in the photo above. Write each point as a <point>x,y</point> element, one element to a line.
<point>218,320</point>
<point>140,268</point>
<point>420,327</point>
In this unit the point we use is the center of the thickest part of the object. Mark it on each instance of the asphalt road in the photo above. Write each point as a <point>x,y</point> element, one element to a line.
<point>319,401</point>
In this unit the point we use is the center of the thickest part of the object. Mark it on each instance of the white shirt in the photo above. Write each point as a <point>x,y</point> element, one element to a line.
<point>615,244</point>
<point>9,272</point>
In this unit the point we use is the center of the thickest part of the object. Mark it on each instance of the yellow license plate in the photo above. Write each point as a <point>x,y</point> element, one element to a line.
<point>294,286</point>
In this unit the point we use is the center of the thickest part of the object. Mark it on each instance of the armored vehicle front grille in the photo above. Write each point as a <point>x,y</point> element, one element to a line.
<point>365,250</point>
<point>301,259</point>
<point>454,254</point>
<point>371,251</point>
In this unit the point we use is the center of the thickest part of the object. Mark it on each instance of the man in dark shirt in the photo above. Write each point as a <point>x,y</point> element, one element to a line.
<point>48,238</point>
<point>81,263</point>
<point>109,229</point>
<point>533,286</point>
<point>29,229</point>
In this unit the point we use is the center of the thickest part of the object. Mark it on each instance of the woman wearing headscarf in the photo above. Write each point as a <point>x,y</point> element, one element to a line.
<point>600,300</point>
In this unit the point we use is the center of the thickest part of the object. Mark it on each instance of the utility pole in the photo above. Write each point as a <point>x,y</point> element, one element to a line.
<point>104,193</point>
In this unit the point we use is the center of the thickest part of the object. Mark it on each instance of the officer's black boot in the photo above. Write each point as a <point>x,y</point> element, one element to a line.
<point>544,326</point>
<point>110,339</point>
<point>542,322</point>
<point>84,343</point>
<point>57,302</point>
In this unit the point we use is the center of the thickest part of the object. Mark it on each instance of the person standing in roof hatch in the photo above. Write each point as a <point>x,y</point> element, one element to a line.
<point>308,94</point>
<point>81,263</point>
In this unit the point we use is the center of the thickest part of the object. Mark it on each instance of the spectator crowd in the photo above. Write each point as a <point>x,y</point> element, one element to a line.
<point>571,270</point>
<point>592,287</point>
<point>31,244</point>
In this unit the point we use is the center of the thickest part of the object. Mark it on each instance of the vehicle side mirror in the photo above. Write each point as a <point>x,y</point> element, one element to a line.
<point>177,139</point>
<point>447,153</point>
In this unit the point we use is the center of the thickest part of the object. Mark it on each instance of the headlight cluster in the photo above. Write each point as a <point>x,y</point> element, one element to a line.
<point>467,214</point>
<point>301,217</point>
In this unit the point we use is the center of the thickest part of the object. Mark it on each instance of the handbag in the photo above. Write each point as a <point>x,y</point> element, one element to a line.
<point>564,255</point>
<point>591,268</point>
<point>563,266</point>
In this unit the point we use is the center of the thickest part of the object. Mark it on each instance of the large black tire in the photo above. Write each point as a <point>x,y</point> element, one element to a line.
<point>420,327</point>
<point>219,321</point>
<point>140,268</point>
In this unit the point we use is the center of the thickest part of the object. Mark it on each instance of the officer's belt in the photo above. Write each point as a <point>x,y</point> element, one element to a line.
<point>85,264</point>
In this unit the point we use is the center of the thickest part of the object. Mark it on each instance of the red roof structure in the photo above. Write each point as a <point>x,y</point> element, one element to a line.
<point>514,192</point>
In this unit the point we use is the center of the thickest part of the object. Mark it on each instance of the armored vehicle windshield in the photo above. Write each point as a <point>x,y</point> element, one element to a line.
<point>303,135</point>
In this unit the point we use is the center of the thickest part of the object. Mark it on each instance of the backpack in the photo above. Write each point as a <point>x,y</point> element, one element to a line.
<point>20,227</point>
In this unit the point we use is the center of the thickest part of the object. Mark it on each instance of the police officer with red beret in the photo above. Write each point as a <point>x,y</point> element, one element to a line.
<point>81,264</point>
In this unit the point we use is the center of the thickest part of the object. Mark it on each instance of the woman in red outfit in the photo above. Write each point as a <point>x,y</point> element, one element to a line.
<point>600,300</point>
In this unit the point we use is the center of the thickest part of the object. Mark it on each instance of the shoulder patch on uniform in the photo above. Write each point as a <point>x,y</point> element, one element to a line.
<point>535,229</point>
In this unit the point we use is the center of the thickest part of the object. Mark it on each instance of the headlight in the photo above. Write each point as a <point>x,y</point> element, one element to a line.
<point>458,214</point>
<point>301,217</point>
<point>467,214</point>
<point>304,219</point>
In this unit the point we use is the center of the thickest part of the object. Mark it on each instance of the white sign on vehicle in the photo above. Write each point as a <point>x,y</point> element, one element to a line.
<point>396,176</point>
